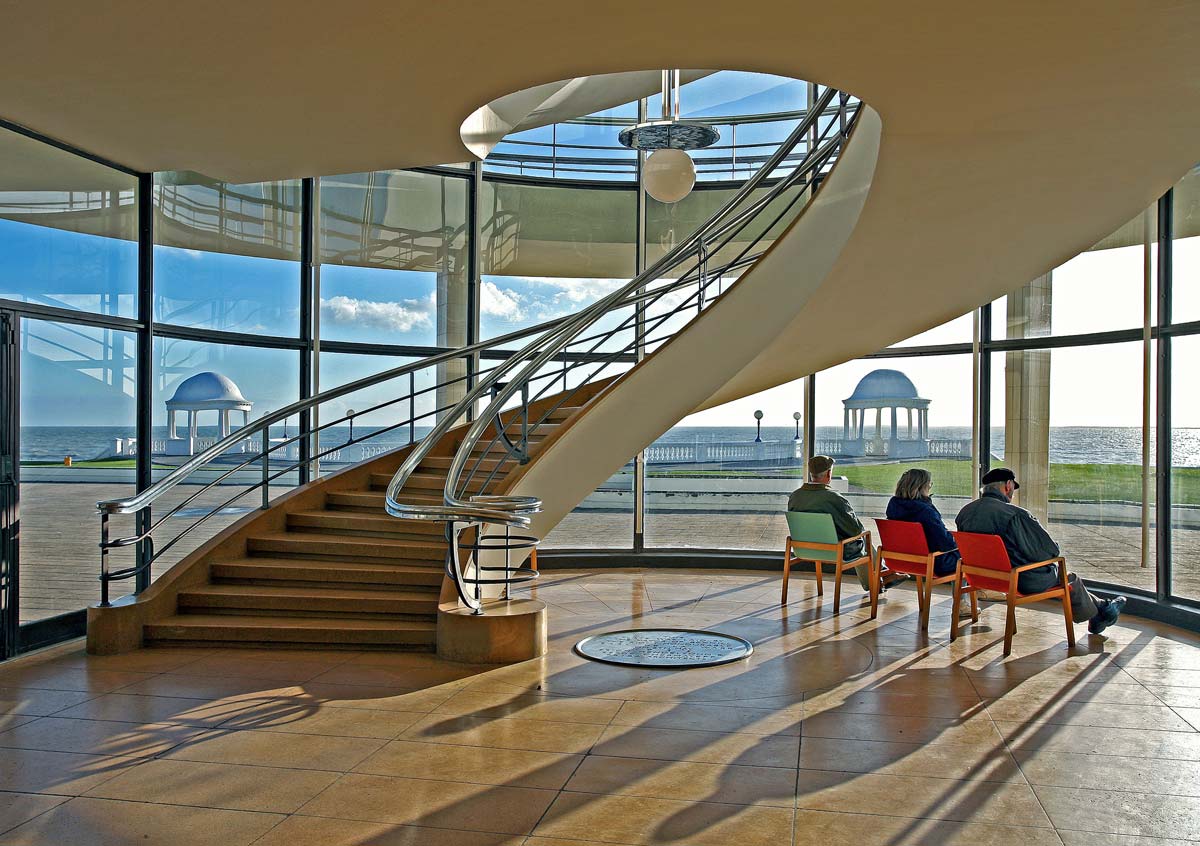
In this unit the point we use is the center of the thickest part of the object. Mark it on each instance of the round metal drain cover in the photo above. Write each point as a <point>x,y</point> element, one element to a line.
<point>664,648</point>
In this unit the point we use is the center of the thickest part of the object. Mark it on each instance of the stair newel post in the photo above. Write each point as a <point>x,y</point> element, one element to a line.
<point>412,407</point>
<point>478,578</point>
<point>507,557</point>
<point>266,476</point>
<point>525,422</point>
<point>104,559</point>
<point>701,275</point>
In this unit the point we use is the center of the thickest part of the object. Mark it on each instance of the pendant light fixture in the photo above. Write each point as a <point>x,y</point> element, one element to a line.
<point>669,173</point>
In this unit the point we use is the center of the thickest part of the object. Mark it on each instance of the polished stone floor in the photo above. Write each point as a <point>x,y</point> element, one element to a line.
<point>836,731</point>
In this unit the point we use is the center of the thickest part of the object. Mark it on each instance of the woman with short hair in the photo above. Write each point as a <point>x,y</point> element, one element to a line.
<point>913,503</point>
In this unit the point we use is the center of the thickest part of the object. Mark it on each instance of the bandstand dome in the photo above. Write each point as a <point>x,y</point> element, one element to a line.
<point>884,385</point>
<point>208,390</point>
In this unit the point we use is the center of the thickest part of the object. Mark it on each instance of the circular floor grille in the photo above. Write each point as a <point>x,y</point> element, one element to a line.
<point>671,648</point>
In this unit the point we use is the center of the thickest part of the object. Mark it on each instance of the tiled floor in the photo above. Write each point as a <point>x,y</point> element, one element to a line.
<point>836,731</point>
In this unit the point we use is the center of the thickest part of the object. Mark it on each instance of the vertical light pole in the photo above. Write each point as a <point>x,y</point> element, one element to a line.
<point>758,415</point>
<point>796,417</point>
<point>350,414</point>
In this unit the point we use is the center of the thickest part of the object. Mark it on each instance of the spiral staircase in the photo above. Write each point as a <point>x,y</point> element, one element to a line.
<point>388,552</point>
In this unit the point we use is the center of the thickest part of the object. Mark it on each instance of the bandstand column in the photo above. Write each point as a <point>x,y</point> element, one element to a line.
<point>171,423</point>
<point>894,435</point>
<point>879,423</point>
<point>846,425</point>
<point>191,423</point>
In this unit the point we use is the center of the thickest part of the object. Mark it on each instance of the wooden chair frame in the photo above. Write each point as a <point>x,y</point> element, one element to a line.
<point>1015,598</point>
<point>839,566</point>
<point>925,582</point>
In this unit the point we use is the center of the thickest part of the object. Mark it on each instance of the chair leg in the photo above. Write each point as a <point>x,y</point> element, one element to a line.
<point>1010,625</point>
<point>927,587</point>
<point>874,581</point>
<point>954,608</point>
<point>920,597</point>
<point>820,586</point>
<point>1069,617</point>
<point>974,608</point>
<point>787,568</point>
<point>837,588</point>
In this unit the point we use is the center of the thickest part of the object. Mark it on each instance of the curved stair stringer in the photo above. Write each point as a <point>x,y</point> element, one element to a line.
<point>668,385</point>
<point>323,566</point>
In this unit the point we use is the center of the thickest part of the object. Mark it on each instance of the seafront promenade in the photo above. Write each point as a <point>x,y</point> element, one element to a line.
<point>60,559</point>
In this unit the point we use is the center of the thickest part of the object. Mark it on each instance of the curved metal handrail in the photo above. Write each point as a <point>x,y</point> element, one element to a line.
<point>503,384</point>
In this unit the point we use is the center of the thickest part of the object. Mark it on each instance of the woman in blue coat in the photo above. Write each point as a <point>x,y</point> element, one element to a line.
<point>913,504</point>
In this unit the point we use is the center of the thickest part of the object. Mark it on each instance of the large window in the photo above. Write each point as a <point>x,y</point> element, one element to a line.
<point>68,230</point>
<point>394,254</point>
<point>1185,468</point>
<point>226,256</point>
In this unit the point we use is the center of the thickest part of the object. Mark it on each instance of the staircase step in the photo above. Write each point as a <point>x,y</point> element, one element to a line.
<point>356,522</point>
<point>343,546</point>
<point>224,628</point>
<point>373,500</point>
<point>441,463</point>
<point>296,571</point>
<point>310,600</point>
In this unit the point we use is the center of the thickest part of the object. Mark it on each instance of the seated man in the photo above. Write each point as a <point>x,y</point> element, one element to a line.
<point>1027,542</point>
<point>816,497</point>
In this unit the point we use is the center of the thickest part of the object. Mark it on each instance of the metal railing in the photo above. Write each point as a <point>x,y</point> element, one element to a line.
<point>625,326</point>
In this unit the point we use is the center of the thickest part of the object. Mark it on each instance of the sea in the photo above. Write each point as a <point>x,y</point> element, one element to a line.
<point>1068,444</point>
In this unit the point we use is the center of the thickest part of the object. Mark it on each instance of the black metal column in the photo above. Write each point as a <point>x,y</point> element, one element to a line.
<point>10,468</point>
<point>307,310</point>
<point>985,393</point>
<point>144,371</point>
<point>474,271</point>
<point>1162,491</point>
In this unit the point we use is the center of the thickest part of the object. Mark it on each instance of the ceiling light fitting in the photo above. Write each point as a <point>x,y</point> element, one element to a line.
<point>669,174</point>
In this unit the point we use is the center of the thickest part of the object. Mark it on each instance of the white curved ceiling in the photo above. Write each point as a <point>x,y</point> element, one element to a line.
<point>1014,134</point>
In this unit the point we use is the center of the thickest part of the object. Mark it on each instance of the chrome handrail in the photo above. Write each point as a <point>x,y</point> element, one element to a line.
<point>502,384</point>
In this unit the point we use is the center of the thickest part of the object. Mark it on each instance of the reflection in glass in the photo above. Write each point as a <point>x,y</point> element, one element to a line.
<point>227,256</point>
<point>68,230</point>
<point>77,427</point>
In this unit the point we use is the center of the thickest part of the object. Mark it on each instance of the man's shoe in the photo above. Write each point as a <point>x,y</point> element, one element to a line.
<point>889,578</point>
<point>1107,616</point>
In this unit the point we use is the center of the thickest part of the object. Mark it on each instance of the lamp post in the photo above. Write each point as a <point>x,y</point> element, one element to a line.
<point>796,417</point>
<point>350,414</point>
<point>758,415</point>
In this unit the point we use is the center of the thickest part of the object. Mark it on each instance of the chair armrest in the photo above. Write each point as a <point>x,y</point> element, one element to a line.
<point>943,552</point>
<point>1036,564</point>
<point>863,536</point>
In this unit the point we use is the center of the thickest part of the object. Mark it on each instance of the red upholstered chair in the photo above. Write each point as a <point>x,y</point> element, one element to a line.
<point>985,565</point>
<point>903,549</point>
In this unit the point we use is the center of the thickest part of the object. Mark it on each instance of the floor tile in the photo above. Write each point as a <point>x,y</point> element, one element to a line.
<point>473,764</point>
<point>710,717</point>
<point>1099,740</point>
<point>1111,772</point>
<point>639,820</point>
<point>972,731</point>
<point>922,797</point>
<point>436,804</point>
<point>563,709</point>
<point>703,746</point>
<point>505,734</point>
<point>277,749</point>
<point>100,737</point>
<point>228,786</point>
<point>59,773</point>
<point>940,760</point>
<point>1108,715</point>
<point>303,718</point>
<point>38,703</point>
<point>689,781</point>
<point>130,708</point>
<point>319,831</point>
<point>1117,812</point>
<point>827,828</point>
<point>108,823</point>
<point>68,678</point>
<point>17,808</point>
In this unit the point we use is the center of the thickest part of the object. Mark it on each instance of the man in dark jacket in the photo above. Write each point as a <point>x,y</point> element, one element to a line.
<point>1027,542</point>
<point>816,497</point>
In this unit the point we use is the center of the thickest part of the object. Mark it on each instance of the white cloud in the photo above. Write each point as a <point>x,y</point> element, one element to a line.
<point>389,316</point>
<point>498,302</point>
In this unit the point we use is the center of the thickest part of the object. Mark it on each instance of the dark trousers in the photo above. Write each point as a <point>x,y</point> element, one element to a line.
<point>1084,606</point>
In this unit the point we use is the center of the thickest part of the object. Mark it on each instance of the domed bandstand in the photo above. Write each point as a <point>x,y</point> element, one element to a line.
<point>878,391</point>
<point>207,391</point>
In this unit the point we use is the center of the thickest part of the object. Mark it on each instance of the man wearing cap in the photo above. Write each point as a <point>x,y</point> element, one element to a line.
<point>1027,542</point>
<point>816,497</point>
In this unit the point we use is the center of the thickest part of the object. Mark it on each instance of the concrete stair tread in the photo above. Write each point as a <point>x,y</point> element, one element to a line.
<point>278,629</point>
<point>342,565</point>
<point>330,540</point>
<point>358,521</point>
<point>314,592</point>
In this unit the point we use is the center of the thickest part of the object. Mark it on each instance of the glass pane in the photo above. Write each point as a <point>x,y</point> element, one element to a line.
<point>878,418</point>
<point>226,257</point>
<point>1185,468</point>
<point>711,484</point>
<point>394,250</point>
<point>604,520</point>
<point>549,251</point>
<point>1077,452</point>
<point>68,230</point>
<point>960,330</point>
<point>202,391</point>
<point>1099,290</point>
<point>77,447</point>
<point>1185,259</point>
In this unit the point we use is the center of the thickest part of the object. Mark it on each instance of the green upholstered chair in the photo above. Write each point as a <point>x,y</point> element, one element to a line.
<point>812,537</point>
